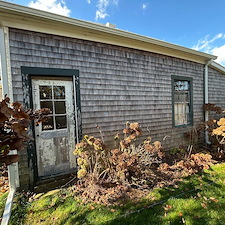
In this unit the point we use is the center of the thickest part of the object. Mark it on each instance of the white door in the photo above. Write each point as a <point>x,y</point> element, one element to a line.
<point>55,138</point>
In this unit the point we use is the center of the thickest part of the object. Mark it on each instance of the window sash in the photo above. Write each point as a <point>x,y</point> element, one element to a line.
<point>182,100</point>
<point>181,113</point>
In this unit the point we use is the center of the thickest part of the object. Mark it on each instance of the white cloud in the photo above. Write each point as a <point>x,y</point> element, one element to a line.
<point>100,14</point>
<point>220,52</point>
<point>213,46</point>
<point>144,6</point>
<point>205,43</point>
<point>102,8</point>
<point>54,6</point>
<point>89,1</point>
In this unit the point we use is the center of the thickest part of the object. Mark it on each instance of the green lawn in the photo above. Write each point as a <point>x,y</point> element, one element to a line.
<point>199,199</point>
<point>3,198</point>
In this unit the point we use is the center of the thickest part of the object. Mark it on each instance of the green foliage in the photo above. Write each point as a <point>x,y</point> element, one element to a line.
<point>175,151</point>
<point>3,198</point>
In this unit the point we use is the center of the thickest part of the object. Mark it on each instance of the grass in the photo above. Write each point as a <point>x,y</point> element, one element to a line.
<point>3,198</point>
<point>198,199</point>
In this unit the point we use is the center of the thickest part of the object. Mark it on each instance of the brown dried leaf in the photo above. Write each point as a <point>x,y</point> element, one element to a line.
<point>3,118</point>
<point>9,159</point>
<point>92,207</point>
<point>213,199</point>
<point>8,112</point>
<point>167,207</point>
<point>204,205</point>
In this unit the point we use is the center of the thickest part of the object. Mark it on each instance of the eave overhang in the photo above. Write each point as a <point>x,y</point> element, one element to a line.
<point>20,17</point>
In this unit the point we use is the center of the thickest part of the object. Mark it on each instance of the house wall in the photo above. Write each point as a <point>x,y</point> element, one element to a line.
<point>216,88</point>
<point>117,84</point>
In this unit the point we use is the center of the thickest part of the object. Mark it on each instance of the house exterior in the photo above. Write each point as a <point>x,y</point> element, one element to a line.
<point>95,77</point>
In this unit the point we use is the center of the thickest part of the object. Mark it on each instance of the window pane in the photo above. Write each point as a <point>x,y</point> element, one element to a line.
<point>45,92</point>
<point>61,122</point>
<point>185,97</point>
<point>48,124</point>
<point>59,92</point>
<point>181,112</point>
<point>60,107</point>
<point>181,85</point>
<point>176,97</point>
<point>47,104</point>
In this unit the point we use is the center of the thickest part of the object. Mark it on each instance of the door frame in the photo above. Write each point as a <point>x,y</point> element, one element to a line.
<point>31,72</point>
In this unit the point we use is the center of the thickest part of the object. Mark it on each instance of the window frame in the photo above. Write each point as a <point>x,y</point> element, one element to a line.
<point>190,81</point>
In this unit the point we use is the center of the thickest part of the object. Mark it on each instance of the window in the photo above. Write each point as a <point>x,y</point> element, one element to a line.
<point>182,101</point>
<point>53,97</point>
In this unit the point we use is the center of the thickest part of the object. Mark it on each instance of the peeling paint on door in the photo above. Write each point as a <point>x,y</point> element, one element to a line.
<point>55,138</point>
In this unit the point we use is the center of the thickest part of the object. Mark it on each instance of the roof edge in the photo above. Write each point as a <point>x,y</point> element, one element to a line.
<point>23,10</point>
<point>217,66</point>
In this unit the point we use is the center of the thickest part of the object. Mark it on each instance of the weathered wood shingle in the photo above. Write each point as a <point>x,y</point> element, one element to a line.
<point>216,88</point>
<point>216,91</point>
<point>117,84</point>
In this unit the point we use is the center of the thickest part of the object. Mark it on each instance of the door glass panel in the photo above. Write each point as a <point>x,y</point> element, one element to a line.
<point>47,104</point>
<point>60,107</point>
<point>48,124</point>
<point>60,122</point>
<point>59,92</point>
<point>51,97</point>
<point>45,92</point>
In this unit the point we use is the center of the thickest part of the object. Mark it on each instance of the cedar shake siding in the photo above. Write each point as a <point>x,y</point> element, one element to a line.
<point>217,88</point>
<point>117,84</point>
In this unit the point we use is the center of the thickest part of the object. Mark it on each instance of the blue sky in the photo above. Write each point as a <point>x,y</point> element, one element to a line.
<point>197,24</point>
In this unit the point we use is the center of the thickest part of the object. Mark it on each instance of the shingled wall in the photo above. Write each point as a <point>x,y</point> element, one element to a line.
<point>217,88</point>
<point>117,84</point>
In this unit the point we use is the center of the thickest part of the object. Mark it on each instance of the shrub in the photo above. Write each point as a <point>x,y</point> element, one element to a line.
<point>194,163</point>
<point>14,123</point>
<point>220,131</point>
<point>106,175</point>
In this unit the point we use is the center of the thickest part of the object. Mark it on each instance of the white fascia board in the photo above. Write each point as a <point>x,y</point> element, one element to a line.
<point>99,30</point>
<point>218,67</point>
